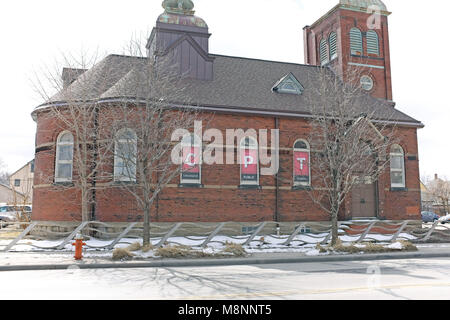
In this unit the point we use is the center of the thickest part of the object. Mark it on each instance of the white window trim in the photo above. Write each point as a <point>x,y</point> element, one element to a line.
<point>197,143</point>
<point>121,178</point>
<point>242,148</point>
<point>402,170</point>
<point>58,162</point>
<point>298,183</point>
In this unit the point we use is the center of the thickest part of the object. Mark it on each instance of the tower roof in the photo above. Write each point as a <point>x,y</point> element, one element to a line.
<point>363,4</point>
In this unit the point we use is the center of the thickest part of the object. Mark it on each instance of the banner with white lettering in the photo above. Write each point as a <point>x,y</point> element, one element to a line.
<point>301,167</point>
<point>191,163</point>
<point>249,165</point>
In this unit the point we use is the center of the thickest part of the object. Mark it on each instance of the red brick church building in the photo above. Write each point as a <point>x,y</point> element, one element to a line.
<point>247,93</point>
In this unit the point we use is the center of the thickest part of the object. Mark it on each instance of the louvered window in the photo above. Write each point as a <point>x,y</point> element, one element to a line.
<point>332,41</point>
<point>356,44</point>
<point>323,52</point>
<point>372,43</point>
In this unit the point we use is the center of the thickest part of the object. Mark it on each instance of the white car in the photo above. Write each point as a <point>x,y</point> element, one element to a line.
<point>14,213</point>
<point>445,219</point>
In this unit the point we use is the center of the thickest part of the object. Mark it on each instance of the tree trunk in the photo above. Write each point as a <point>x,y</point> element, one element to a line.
<point>334,228</point>
<point>146,235</point>
<point>85,205</point>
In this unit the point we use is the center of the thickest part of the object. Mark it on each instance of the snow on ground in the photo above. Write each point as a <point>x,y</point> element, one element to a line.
<point>302,244</point>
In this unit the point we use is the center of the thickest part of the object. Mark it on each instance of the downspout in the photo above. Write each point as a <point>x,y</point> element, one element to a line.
<point>94,167</point>
<point>277,182</point>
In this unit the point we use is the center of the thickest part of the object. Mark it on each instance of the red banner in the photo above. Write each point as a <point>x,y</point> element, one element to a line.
<point>301,166</point>
<point>191,163</point>
<point>249,165</point>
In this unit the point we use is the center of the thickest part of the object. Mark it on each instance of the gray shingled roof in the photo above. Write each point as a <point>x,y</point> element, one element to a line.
<point>239,83</point>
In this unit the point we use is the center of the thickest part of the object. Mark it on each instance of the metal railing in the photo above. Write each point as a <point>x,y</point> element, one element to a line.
<point>110,235</point>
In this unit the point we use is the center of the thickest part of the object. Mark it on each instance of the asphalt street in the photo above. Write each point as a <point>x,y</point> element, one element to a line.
<point>427,279</point>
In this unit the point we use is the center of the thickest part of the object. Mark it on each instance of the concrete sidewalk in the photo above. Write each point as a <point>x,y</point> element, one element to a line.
<point>17,261</point>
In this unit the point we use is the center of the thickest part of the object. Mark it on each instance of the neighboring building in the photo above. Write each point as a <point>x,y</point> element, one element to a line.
<point>439,193</point>
<point>9,196</point>
<point>22,181</point>
<point>245,93</point>
<point>426,198</point>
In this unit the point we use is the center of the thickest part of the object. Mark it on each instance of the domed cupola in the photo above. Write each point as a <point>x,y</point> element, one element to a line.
<point>363,5</point>
<point>180,12</point>
<point>184,37</point>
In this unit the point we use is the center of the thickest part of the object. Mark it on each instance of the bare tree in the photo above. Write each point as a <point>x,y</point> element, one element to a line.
<point>439,189</point>
<point>348,144</point>
<point>4,176</point>
<point>145,160</point>
<point>74,110</point>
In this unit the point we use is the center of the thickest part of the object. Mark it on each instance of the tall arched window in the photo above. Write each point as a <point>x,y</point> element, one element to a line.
<point>191,171</point>
<point>249,162</point>
<point>323,52</point>
<point>64,157</point>
<point>332,43</point>
<point>302,169</point>
<point>125,156</point>
<point>373,46</point>
<point>397,167</point>
<point>356,43</point>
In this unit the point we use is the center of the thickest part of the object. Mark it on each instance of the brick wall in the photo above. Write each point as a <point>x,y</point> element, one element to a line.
<point>220,198</point>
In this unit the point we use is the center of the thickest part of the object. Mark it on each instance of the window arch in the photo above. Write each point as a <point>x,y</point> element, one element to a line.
<point>332,43</point>
<point>302,168</point>
<point>64,157</point>
<point>191,172</point>
<point>397,160</point>
<point>373,46</point>
<point>356,43</point>
<point>249,161</point>
<point>323,52</point>
<point>125,156</point>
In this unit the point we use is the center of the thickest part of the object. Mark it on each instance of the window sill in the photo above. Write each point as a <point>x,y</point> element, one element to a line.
<point>63,184</point>
<point>118,183</point>
<point>398,189</point>
<point>191,185</point>
<point>250,187</point>
<point>306,188</point>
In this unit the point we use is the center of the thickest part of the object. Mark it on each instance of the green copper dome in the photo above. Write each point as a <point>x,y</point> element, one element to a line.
<point>180,12</point>
<point>363,4</point>
<point>178,6</point>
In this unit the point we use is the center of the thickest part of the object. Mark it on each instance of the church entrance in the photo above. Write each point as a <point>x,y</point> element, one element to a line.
<point>364,199</point>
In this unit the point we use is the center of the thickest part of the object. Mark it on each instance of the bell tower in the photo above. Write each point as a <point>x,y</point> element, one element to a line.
<point>353,39</point>
<point>183,38</point>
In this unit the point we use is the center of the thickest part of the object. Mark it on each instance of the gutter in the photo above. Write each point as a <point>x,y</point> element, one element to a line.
<point>221,109</point>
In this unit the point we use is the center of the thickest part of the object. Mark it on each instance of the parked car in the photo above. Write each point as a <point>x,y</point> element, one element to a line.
<point>428,216</point>
<point>15,213</point>
<point>445,219</point>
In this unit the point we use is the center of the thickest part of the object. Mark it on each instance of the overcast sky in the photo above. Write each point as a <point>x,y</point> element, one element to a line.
<point>35,33</point>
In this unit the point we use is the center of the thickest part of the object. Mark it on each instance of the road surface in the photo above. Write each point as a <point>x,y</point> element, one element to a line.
<point>393,279</point>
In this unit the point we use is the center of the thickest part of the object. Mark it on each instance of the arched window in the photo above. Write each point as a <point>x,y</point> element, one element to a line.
<point>191,171</point>
<point>373,46</point>
<point>397,167</point>
<point>323,52</point>
<point>125,156</point>
<point>332,43</point>
<point>302,169</point>
<point>64,157</point>
<point>356,43</point>
<point>249,162</point>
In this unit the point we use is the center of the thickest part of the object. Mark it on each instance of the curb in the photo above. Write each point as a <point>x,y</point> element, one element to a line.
<point>228,262</point>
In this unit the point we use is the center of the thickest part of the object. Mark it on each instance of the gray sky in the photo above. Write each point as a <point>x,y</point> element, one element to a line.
<point>35,33</point>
